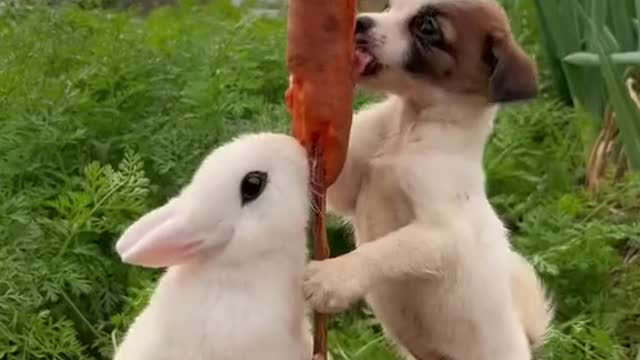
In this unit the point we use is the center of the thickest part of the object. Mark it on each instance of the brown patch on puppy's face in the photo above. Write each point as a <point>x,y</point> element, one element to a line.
<point>419,47</point>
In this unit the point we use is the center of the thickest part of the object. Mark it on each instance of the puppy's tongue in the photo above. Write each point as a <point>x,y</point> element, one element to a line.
<point>360,61</point>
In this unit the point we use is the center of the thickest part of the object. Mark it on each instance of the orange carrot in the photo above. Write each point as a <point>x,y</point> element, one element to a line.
<point>320,58</point>
<point>320,53</point>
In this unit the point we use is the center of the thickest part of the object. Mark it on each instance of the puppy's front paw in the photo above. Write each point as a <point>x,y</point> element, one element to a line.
<point>331,286</point>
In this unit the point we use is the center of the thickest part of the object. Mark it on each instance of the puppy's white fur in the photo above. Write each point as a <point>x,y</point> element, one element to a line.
<point>238,296</point>
<point>433,259</point>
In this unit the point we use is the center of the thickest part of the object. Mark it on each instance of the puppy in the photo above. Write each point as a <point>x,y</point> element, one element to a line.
<point>433,260</point>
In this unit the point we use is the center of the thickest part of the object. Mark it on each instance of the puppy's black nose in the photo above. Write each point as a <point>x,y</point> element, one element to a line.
<point>363,24</point>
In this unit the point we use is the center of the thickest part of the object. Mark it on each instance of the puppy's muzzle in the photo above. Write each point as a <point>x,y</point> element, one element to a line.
<point>366,63</point>
<point>364,24</point>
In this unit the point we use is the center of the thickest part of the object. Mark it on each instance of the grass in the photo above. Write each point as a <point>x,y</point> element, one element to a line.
<point>104,115</point>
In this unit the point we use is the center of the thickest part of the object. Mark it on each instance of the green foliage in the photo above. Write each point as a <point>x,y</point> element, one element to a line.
<point>104,115</point>
<point>584,248</point>
<point>103,81</point>
<point>579,34</point>
<point>60,285</point>
<point>533,153</point>
<point>566,30</point>
<point>358,336</point>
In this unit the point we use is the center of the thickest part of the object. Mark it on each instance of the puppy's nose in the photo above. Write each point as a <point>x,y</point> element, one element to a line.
<point>363,24</point>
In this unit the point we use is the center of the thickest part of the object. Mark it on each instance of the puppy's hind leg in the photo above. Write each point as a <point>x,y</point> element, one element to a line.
<point>534,309</point>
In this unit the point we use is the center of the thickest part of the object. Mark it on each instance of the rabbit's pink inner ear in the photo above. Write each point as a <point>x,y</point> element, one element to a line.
<point>171,243</point>
<point>147,223</point>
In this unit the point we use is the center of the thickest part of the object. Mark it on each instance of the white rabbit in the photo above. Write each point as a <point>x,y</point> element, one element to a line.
<point>234,244</point>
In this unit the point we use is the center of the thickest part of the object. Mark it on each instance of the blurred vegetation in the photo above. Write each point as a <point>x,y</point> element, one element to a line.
<point>104,114</point>
<point>578,36</point>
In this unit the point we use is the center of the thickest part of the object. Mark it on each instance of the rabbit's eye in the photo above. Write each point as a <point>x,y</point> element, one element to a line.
<point>252,186</point>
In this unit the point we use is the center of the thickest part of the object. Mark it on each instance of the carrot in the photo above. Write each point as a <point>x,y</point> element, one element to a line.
<point>320,59</point>
<point>320,53</point>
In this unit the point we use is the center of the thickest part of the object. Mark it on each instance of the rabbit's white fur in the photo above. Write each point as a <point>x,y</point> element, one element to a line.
<point>233,286</point>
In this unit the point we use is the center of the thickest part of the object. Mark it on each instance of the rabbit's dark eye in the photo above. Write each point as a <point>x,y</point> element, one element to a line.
<point>252,186</point>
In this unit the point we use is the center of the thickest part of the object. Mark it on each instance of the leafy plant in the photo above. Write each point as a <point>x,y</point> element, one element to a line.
<point>59,284</point>
<point>587,42</point>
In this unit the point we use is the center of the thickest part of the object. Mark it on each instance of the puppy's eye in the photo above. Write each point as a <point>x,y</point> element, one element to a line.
<point>252,186</point>
<point>429,26</point>
<point>427,29</point>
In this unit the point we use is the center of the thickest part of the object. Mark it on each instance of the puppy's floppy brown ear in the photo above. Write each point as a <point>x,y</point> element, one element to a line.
<point>514,76</point>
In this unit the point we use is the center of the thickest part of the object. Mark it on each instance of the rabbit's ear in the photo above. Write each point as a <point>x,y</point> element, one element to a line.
<point>144,225</point>
<point>158,239</point>
<point>168,244</point>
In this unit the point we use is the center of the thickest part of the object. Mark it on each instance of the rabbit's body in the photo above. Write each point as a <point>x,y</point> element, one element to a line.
<point>237,307</point>
<point>242,298</point>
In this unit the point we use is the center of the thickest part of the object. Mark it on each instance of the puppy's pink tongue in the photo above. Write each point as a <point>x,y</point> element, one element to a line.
<point>360,61</point>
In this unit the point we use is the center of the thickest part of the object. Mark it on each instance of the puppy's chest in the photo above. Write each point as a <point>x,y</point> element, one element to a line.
<point>384,204</point>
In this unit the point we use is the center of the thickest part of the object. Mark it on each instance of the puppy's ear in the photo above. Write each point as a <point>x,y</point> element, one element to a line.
<point>514,75</point>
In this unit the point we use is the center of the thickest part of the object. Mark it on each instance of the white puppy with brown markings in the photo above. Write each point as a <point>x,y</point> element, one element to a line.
<point>433,259</point>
